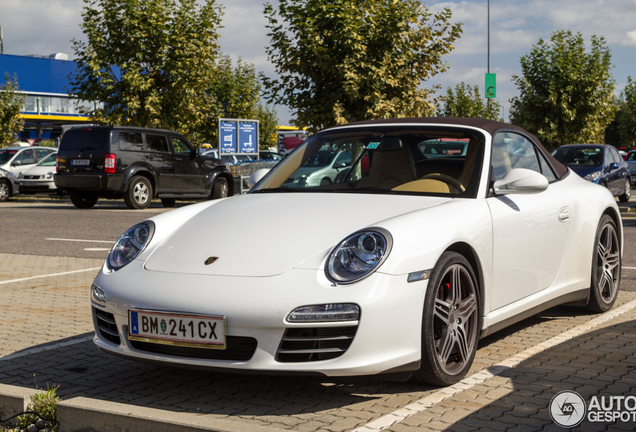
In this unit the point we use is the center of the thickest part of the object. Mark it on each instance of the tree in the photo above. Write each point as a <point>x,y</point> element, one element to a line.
<point>11,104</point>
<point>150,62</point>
<point>627,115</point>
<point>342,60</point>
<point>467,102</point>
<point>267,122</point>
<point>566,93</point>
<point>237,89</point>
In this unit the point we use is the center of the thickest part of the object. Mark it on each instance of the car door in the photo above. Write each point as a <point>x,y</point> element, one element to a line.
<point>159,157</point>
<point>23,161</point>
<point>616,174</point>
<point>189,171</point>
<point>531,232</point>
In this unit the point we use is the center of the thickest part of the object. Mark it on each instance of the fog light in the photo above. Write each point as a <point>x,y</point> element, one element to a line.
<point>98,295</point>
<point>325,313</point>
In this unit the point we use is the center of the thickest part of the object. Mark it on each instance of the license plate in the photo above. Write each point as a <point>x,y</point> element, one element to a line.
<point>200,331</point>
<point>80,162</point>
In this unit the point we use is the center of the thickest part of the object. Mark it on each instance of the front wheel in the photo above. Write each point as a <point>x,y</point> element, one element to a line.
<point>5,190</point>
<point>219,189</point>
<point>450,327</point>
<point>627,191</point>
<point>606,267</point>
<point>83,200</point>
<point>139,194</point>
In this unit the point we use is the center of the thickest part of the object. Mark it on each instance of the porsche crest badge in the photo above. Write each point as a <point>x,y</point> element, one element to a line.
<point>211,260</point>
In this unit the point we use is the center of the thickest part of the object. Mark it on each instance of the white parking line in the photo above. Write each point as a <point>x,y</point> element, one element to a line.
<point>433,399</point>
<point>628,268</point>
<point>84,241</point>
<point>46,348</point>
<point>48,275</point>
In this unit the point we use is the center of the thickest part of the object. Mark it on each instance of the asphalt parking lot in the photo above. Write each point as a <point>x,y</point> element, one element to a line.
<point>50,252</point>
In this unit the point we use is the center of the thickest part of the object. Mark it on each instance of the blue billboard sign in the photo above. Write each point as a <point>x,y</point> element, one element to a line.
<point>227,137</point>
<point>248,137</point>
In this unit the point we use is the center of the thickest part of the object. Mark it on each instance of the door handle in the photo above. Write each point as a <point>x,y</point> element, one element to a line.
<point>564,214</point>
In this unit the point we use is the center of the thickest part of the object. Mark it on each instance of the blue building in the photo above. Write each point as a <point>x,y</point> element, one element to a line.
<point>45,83</point>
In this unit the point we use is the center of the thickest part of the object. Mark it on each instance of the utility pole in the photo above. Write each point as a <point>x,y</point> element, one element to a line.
<point>488,36</point>
<point>2,40</point>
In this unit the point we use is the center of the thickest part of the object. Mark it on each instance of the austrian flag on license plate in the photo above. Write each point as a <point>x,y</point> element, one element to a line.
<point>177,329</point>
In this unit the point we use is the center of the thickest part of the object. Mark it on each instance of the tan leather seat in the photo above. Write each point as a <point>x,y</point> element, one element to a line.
<point>392,165</point>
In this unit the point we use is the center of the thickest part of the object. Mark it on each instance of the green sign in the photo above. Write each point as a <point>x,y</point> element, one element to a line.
<point>491,85</point>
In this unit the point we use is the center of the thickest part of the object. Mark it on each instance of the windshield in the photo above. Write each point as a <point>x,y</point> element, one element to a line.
<point>49,161</point>
<point>6,155</point>
<point>579,156</point>
<point>440,160</point>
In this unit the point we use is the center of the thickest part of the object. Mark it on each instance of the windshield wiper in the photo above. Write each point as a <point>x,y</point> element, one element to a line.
<point>278,189</point>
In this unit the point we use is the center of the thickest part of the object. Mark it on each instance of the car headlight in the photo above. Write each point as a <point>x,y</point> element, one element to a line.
<point>130,244</point>
<point>593,176</point>
<point>20,175</point>
<point>358,255</point>
<point>49,175</point>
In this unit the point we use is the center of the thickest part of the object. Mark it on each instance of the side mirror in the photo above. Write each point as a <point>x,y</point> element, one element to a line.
<point>16,163</point>
<point>613,166</point>
<point>256,177</point>
<point>521,181</point>
<point>340,165</point>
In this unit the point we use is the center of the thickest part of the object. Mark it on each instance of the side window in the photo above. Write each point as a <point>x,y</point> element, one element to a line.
<point>616,157</point>
<point>546,169</point>
<point>343,158</point>
<point>130,141</point>
<point>180,146</point>
<point>157,143</point>
<point>27,157</point>
<point>510,150</point>
<point>41,154</point>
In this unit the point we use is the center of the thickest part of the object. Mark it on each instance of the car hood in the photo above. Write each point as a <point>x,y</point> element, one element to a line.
<point>39,170</point>
<point>268,234</point>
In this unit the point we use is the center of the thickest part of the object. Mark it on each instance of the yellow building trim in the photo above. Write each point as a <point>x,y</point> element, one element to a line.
<point>54,117</point>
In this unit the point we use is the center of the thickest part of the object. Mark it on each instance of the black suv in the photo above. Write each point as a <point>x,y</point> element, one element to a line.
<point>137,164</point>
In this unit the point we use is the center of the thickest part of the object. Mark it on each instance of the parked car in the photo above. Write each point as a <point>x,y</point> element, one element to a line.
<point>136,164</point>
<point>598,163</point>
<point>39,179</point>
<point>20,158</point>
<point>8,185</point>
<point>321,168</point>
<point>266,155</point>
<point>631,161</point>
<point>397,270</point>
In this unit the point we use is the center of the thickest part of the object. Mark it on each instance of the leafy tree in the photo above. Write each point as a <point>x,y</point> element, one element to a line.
<point>627,114</point>
<point>11,103</point>
<point>342,60</point>
<point>237,89</point>
<point>268,121</point>
<point>150,62</point>
<point>467,102</point>
<point>566,93</point>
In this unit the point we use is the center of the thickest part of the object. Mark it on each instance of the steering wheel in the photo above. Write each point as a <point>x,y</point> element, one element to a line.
<point>450,181</point>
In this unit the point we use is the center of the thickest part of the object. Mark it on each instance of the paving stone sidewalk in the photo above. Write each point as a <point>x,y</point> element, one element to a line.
<point>39,316</point>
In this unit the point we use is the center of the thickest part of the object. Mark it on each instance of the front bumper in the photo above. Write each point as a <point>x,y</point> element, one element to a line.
<point>387,337</point>
<point>35,186</point>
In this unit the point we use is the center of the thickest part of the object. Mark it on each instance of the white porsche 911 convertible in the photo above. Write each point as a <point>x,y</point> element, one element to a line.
<point>434,232</point>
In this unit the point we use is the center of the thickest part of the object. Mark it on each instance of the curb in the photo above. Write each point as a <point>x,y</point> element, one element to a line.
<point>81,414</point>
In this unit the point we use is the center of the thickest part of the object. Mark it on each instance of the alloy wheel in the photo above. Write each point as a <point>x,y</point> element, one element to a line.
<point>608,263</point>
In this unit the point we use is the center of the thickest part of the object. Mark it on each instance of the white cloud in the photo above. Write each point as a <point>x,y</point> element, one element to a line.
<point>631,38</point>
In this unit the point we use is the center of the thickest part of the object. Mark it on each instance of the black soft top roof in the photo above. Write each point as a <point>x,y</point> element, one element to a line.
<point>489,126</point>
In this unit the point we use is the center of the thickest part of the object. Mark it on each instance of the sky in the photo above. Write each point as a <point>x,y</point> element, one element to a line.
<point>43,27</point>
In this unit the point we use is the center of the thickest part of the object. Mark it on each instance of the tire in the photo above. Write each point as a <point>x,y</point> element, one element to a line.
<point>628,191</point>
<point>139,194</point>
<point>5,190</point>
<point>450,324</point>
<point>606,267</point>
<point>83,200</point>
<point>168,202</point>
<point>219,189</point>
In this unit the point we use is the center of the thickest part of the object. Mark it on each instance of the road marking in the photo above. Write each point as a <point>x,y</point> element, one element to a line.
<point>46,348</point>
<point>48,275</point>
<point>84,241</point>
<point>431,400</point>
<point>96,249</point>
<point>629,268</point>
